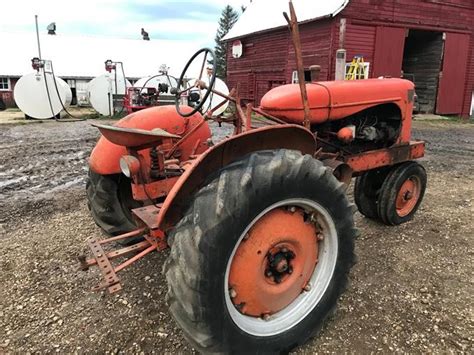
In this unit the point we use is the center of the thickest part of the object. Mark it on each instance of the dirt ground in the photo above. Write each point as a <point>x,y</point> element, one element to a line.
<point>411,290</point>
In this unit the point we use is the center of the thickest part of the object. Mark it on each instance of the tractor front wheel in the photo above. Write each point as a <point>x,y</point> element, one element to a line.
<point>366,191</point>
<point>261,256</point>
<point>401,193</point>
<point>110,202</point>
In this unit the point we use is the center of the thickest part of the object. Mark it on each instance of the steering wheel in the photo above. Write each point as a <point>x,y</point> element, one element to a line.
<point>199,83</point>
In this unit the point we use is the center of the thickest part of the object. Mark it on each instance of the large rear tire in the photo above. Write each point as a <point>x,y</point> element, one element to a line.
<point>244,237</point>
<point>110,202</point>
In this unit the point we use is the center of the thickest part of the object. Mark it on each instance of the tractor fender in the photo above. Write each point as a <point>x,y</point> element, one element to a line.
<point>294,137</point>
<point>105,157</point>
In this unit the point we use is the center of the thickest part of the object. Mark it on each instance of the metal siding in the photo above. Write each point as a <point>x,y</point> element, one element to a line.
<point>389,46</point>
<point>453,77</point>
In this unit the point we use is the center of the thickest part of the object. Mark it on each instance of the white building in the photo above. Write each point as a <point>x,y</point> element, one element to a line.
<point>78,59</point>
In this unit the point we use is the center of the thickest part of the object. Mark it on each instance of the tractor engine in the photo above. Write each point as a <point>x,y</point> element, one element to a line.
<point>374,128</point>
<point>341,114</point>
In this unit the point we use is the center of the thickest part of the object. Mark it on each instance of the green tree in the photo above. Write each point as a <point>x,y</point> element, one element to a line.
<point>228,18</point>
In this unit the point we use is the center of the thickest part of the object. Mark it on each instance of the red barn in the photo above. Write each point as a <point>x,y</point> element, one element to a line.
<point>430,42</point>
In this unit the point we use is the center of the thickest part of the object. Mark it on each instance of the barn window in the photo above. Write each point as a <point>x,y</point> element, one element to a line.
<point>307,76</point>
<point>4,84</point>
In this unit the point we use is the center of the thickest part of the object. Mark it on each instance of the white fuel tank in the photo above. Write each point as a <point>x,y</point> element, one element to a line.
<point>213,100</point>
<point>31,95</point>
<point>101,89</point>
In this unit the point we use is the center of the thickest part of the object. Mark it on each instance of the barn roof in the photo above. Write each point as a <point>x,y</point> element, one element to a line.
<point>84,56</point>
<point>262,15</point>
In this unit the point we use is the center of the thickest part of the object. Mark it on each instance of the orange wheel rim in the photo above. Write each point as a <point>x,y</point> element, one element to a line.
<point>408,196</point>
<point>274,262</point>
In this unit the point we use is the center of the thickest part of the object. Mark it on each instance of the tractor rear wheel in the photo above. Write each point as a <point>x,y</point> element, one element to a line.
<point>402,193</point>
<point>366,191</point>
<point>110,202</point>
<point>261,256</point>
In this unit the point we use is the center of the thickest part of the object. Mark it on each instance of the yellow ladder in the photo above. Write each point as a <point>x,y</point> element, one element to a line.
<point>356,69</point>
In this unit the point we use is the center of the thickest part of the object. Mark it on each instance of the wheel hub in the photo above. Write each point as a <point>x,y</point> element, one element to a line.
<point>279,264</point>
<point>408,196</point>
<point>274,262</point>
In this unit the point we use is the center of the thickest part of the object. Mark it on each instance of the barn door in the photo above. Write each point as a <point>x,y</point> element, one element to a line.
<point>453,76</point>
<point>389,46</point>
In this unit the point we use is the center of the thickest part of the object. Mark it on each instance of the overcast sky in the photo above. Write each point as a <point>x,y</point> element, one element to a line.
<point>165,19</point>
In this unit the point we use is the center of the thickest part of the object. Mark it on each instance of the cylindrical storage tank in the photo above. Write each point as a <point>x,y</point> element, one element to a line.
<point>154,81</point>
<point>31,95</point>
<point>213,100</point>
<point>101,90</point>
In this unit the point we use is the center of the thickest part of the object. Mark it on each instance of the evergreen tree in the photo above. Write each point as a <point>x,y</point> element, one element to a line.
<point>228,17</point>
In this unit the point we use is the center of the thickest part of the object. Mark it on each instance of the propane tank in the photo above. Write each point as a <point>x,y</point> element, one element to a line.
<point>31,95</point>
<point>101,90</point>
<point>213,99</point>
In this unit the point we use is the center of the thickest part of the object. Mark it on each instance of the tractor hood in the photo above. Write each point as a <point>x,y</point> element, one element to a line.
<point>334,100</point>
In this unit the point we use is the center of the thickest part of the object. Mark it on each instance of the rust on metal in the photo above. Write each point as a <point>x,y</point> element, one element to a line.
<point>153,240</point>
<point>385,157</point>
<point>133,137</point>
<point>116,253</point>
<point>153,190</point>
<point>147,215</point>
<point>293,137</point>
<point>135,258</point>
<point>408,196</point>
<point>248,117</point>
<point>295,34</point>
<point>270,268</point>
<point>111,280</point>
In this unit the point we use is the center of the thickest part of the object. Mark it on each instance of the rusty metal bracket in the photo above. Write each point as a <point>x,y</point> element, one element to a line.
<point>154,240</point>
<point>111,280</point>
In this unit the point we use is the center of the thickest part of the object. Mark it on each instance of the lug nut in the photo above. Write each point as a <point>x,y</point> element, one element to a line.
<point>320,237</point>
<point>268,273</point>
<point>284,250</point>
<point>232,293</point>
<point>266,317</point>
<point>307,287</point>
<point>292,209</point>
<point>247,236</point>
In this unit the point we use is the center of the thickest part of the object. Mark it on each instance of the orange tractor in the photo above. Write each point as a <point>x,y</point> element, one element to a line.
<point>259,225</point>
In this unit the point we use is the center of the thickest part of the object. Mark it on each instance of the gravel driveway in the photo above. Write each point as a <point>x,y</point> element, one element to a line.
<point>411,290</point>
